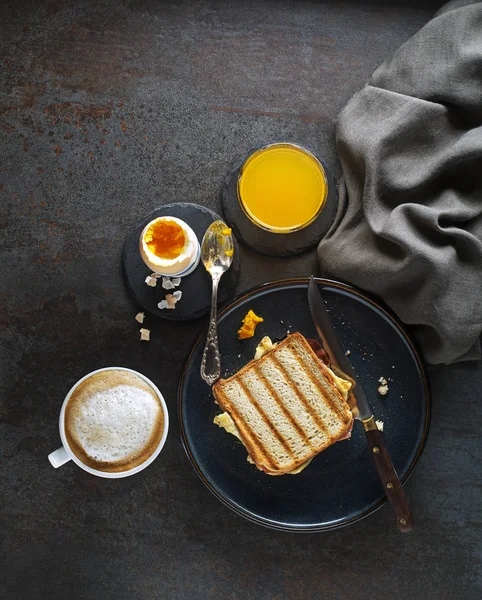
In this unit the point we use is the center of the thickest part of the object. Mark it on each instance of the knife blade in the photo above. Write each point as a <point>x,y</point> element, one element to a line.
<point>342,367</point>
<point>340,362</point>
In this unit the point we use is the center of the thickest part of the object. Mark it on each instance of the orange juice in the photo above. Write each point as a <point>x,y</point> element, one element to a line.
<point>282,187</point>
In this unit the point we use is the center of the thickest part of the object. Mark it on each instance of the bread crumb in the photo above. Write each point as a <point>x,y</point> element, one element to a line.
<point>379,425</point>
<point>140,317</point>
<point>145,335</point>
<point>383,390</point>
<point>347,353</point>
<point>382,380</point>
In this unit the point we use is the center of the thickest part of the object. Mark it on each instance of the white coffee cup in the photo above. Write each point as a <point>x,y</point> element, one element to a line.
<point>64,453</point>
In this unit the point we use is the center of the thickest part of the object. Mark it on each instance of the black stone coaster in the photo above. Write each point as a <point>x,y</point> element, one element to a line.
<point>196,287</point>
<point>275,244</point>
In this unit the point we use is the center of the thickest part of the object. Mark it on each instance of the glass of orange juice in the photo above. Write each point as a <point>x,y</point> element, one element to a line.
<point>282,187</point>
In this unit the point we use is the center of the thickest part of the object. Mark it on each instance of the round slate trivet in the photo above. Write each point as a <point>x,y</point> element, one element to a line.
<point>196,287</point>
<point>275,244</point>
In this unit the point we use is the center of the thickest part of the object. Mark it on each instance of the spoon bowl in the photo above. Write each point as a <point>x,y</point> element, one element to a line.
<point>217,250</point>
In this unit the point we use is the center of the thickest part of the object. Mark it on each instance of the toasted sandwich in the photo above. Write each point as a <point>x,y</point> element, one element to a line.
<point>286,406</point>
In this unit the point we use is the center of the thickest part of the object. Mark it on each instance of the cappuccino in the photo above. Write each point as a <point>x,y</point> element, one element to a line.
<point>113,421</point>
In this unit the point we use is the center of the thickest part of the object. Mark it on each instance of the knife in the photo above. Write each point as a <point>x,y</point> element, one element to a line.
<point>342,367</point>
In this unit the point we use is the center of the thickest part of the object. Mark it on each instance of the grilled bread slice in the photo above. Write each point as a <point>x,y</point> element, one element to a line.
<point>286,406</point>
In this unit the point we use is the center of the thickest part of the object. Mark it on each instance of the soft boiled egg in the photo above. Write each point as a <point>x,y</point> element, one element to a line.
<point>169,246</point>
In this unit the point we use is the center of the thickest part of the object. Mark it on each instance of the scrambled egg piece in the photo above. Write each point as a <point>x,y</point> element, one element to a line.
<point>342,385</point>
<point>263,347</point>
<point>225,422</point>
<point>249,325</point>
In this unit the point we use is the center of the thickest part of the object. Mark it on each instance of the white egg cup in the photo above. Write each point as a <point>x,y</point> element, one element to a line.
<point>189,269</point>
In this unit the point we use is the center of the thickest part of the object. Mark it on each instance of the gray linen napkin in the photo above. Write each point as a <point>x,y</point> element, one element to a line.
<point>409,223</point>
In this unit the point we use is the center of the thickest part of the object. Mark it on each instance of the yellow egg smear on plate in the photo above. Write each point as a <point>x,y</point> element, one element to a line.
<point>248,327</point>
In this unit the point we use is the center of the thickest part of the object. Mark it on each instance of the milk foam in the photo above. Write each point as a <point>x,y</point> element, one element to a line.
<point>116,424</point>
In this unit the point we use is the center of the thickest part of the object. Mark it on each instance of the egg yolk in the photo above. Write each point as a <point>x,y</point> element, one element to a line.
<point>165,239</point>
<point>249,325</point>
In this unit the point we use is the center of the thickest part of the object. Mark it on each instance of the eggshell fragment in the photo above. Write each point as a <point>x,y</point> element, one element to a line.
<point>145,335</point>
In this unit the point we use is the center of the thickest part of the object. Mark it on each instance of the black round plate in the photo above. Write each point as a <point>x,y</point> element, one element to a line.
<point>275,244</point>
<point>341,485</point>
<point>196,287</point>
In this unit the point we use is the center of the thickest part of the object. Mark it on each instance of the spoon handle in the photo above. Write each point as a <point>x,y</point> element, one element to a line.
<point>211,361</point>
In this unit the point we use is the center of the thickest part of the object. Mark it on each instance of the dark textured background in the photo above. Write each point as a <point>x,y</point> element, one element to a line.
<point>108,109</point>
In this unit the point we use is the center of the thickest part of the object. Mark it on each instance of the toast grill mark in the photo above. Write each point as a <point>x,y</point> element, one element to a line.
<point>293,385</point>
<point>288,400</point>
<point>265,417</point>
<point>289,416</point>
<point>307,369</point>
<point>254,437</point>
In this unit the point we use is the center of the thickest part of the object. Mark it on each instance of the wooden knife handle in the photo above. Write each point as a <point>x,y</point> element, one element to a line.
<point>388,476</point>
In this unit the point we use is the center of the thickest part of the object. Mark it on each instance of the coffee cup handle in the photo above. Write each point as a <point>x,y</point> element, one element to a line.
<point>59,457</point>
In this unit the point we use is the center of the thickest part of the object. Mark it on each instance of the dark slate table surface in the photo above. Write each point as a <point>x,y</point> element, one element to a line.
<point>109,109</point>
